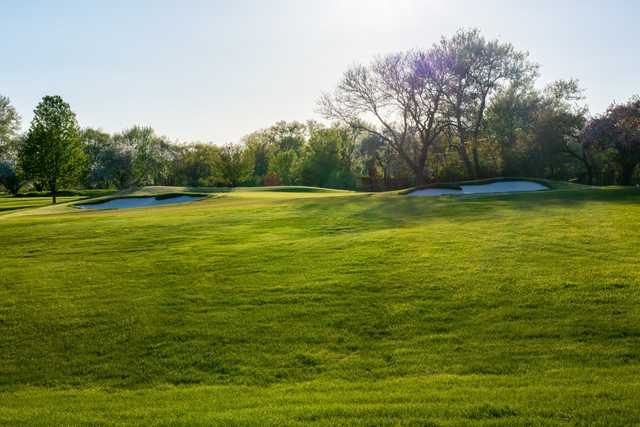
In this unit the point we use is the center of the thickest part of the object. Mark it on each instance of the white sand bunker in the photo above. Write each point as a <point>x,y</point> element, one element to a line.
<point>139,202</point>
<point>493,187</point>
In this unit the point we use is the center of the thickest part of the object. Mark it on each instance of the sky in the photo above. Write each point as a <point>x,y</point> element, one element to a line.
<point>214,71</point>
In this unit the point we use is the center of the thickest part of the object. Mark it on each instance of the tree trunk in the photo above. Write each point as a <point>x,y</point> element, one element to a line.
<point>373,175</point>
<point>589,173</point>
<point>385,177</point>
<point>420,178</point>
<point>476,162</point>
<point>421,172</point>
<point>54,191</point>
<point>627,173</point>
<point>462,147</point>
<point>468,167</point>
<point>503,155</point>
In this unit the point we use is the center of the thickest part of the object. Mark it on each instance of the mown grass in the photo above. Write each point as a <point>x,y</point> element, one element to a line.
<point>38,199</point>
<point>325,308</point>
<point>10,203</point>
<point>159,189</point>
<point>160,196</point>
<point>553,185</point>
<point>87,192</point>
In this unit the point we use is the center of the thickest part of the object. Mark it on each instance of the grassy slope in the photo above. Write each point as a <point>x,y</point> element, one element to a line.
<point>276,189</point>
<point>554,185</point>
<point>8,203</point>
<point>336,308</point>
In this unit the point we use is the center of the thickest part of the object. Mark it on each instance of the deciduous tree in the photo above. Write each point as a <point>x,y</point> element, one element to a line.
<point>232,165</point>
<point>618,129</point>
<point>402,93</point>
<point>52,151</point>
<point>477,68</point>
<point>9,128</point>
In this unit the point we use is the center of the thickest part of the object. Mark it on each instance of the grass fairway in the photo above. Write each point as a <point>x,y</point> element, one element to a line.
<point>8,204</point>
<point>329,308</point>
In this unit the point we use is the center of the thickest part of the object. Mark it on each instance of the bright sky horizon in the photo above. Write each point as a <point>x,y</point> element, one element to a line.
<point>214,71</point>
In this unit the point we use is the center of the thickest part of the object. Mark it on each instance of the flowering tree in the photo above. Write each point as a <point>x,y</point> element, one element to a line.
<point>618,129</point>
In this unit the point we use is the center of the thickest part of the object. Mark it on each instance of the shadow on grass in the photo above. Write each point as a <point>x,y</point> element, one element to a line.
<point>12,208</point>
<point>385,211</point>
<point>276,189</point>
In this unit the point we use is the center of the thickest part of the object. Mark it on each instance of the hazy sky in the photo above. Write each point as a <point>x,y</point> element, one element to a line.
<point>217,70</point>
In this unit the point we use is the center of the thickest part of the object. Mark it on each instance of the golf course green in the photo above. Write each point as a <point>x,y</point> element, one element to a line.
<point>304,307</point>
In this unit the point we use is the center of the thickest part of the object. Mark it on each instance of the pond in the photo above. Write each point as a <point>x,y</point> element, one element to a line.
<point>493,187</point>
<point>139,202</point>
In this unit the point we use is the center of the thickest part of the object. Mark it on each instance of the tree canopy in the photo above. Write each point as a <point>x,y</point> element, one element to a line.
<point>52,152</point>
<point>464,107</point>
<point>9,125</point>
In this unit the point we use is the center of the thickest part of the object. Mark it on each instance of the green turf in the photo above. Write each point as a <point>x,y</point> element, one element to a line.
<point>554,185</point>
<point>9,203</point>
<point>39,199</point>
<point>277,189</point>
<point>99,200</point>
<point>340,308</point>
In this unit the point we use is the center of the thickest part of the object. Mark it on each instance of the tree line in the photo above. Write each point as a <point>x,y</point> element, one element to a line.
<point>465,108</point>
<point>55,153</point>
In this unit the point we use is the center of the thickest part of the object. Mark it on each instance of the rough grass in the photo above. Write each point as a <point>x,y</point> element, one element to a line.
<point>325,308</point>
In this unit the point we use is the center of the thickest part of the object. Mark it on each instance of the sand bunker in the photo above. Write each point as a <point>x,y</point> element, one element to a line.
<point>139,202</point>
<point>494,187</point>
